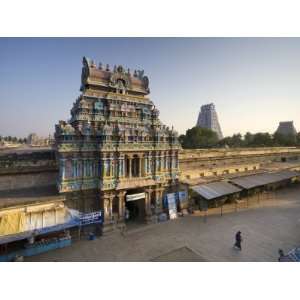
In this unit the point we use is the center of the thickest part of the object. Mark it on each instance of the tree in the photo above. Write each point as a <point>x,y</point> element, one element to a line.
<point>298,139</point>
<point>236,140</point>
<point>262,139</point>
<point>248,139</point>
<point>232,141</point>
<point>284,140</point>
<point>197,137</point>
<point>181,139</point>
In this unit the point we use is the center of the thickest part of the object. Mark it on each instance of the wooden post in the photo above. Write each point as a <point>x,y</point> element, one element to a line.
<point>222,210</point>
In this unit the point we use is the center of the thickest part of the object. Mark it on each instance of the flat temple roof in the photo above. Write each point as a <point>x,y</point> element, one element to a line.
<point>214,190</point>
<point>248,182</point>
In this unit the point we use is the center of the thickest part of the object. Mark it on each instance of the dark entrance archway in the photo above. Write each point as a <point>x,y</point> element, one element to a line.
<point>135,206</point>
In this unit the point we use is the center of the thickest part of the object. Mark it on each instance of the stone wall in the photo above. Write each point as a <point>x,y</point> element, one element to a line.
<point>27,169</point>
<point>39,168</point>
<point>206,158</point>
<point>19,181</point>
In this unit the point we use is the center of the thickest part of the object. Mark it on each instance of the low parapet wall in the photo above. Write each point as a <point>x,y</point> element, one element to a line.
<point>213,158</point>
<point>225,153</point>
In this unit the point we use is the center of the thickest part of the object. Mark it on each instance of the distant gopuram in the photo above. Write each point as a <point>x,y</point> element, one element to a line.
<point>286,128</point>
<point>114,153</point>
<point>208,118</point>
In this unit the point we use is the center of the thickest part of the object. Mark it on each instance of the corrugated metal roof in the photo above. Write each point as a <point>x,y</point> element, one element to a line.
<point>215,189</point>
<point>252,181</point>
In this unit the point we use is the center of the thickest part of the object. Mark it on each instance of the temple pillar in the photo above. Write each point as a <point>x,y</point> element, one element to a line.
<point>80,167</point>
<point>140,165</point>
<point>107,210</point>
<point>148,213</point>
<point>123,167</point>
<point>145,165</point>
<point>102,167</point>
<point>130,166</point>
<point>158,201</point>
<point>111,165</point>
<point>63,168</point>
<point>106,207</point>
<point>84,167</point>
<point>121,196</point>
<point>74,166</point>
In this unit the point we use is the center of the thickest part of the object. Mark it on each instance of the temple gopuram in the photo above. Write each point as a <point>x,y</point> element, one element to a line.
<point>114,153</point>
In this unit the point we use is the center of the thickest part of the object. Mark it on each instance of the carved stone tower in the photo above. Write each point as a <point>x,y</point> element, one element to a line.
<point>114,153</point>
<point>208,119</point>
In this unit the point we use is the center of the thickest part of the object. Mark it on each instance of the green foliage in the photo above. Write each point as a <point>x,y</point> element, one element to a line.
<point>234,141</point>
<point>261,139</point>
<point>181,139</point>
<point>205,138</point>
<point>285,140</point>
<point>198,138</point>
<point>13,139</point>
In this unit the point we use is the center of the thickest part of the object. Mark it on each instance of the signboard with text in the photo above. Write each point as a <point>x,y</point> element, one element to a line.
<point>91,218</point>
<point>172,205</point>
<point>182,197</point>
<point>134,197</point>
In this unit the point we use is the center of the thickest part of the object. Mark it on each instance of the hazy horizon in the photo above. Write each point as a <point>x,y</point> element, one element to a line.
<point>253,82</point>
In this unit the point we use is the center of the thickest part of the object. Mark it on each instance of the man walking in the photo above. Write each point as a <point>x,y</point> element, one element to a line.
<point>238,240</point>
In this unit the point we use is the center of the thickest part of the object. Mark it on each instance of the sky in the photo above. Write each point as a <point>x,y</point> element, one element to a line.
<point>253,82</point>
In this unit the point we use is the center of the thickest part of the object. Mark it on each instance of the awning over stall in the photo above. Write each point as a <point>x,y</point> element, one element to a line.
<point>23,235</point>
<point>248,182</point>
<point>214,190</point>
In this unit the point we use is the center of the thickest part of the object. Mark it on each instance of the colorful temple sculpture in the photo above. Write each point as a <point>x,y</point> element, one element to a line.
<point>114,153</point>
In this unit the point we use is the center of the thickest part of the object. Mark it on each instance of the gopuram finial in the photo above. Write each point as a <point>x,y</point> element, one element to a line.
<point>107,67</point>
<point>100,66</point>
<point>93,63</point>
<point>128,71</point>
<point>135,73</point>
<point>115,68</point>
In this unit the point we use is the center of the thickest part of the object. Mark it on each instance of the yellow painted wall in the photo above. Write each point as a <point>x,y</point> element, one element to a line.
<point>16,220</point>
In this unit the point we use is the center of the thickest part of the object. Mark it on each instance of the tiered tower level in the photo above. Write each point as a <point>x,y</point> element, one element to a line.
<point>114,144</point>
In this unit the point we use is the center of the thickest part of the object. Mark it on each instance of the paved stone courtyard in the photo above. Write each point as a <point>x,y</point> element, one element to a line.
<point>265,228</point>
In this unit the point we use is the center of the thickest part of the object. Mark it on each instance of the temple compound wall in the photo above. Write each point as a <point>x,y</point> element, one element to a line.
<point>35,169</point>
<point>197,163</point>
<point>115,150</point>
<point>26,170</point>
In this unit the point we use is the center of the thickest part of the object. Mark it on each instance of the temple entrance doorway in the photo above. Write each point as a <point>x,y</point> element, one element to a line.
<point>135,206</point>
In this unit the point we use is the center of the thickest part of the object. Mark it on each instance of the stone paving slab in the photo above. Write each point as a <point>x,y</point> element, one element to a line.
<point>183,254</point>
<point>264,228</point>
